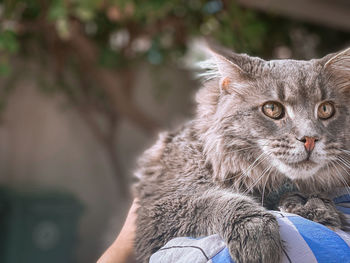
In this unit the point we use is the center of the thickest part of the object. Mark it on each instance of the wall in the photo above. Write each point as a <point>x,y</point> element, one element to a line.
<point>44,143</point>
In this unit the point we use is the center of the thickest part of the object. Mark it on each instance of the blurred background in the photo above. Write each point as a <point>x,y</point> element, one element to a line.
<point>85,85</point>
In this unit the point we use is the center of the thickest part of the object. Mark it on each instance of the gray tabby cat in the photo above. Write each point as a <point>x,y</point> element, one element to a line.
<point>259,125</point>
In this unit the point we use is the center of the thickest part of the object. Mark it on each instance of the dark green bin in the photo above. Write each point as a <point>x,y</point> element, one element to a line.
<point>38,226</point>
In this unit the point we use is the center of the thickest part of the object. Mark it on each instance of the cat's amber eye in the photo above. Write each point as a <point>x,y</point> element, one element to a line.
<point>326,110</point>
<point>273,109</point>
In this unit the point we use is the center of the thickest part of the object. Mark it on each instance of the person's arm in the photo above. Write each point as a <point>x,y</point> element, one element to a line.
<point>121,251</point>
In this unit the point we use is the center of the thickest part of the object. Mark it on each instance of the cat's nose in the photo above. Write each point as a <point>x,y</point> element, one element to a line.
<point>309,142</point>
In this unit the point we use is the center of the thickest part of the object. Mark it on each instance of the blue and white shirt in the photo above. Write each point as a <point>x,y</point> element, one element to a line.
<point>305,241</point>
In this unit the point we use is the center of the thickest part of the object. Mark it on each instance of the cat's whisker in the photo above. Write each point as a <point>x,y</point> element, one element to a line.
<point>263,190</point>
<point>267,178</point>
<point>345,151</point>
<point>260,159</point>
<point>259,178</point>
<point>256,163</point>
<point>337,172</point>
<point>332,135</point>
<point>242,149</point>
<point>346,185</point>
<point>346,157</point>
<point>329,170</point>
<point>250,188</point>
<point>344,161</point>
<point>340,176</point>
<point>252,166</point>
<point>343,165</point>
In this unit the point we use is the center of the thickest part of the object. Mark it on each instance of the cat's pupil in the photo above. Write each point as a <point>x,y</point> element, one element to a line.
<point>324,108</point>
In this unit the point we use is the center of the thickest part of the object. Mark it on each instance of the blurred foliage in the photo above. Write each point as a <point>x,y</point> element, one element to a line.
<point>89,50</point>
<point>153,30</point>
<point>126,32</point>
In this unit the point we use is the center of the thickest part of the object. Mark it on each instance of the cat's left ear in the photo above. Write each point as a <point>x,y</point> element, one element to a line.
<point>338,65</point>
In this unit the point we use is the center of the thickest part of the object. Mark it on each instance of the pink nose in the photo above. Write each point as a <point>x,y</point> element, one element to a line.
<point>309,143</point>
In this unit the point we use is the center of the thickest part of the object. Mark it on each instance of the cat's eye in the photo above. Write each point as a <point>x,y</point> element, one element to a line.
<point>273,109</point>
<point>326,110</point>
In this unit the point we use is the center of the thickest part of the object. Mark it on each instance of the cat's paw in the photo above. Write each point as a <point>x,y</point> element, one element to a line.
<point>292,202</point>
<point>316,207</point>
<point>256,239</point>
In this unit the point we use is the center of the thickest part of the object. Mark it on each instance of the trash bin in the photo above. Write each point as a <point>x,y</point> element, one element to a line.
<point>38,226</point>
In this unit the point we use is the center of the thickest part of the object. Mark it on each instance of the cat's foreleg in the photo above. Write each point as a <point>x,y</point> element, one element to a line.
<point>251,233</point>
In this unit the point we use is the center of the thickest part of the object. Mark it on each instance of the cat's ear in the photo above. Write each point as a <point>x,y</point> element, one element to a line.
<point>338,65</point>
<point>339,61</point>
<point>229,68</point>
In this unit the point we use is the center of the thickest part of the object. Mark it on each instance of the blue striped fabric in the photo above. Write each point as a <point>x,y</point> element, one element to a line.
<point>345,210</point>
<point>325,244</point>
<point>222,257</point>
<point>305,241</point>
<point>342,199</point>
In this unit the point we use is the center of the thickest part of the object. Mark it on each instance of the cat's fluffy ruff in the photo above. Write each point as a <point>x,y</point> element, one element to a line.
<point>196,181</point>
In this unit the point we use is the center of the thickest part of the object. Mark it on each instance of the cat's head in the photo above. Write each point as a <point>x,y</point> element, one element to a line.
<point>287,116</point>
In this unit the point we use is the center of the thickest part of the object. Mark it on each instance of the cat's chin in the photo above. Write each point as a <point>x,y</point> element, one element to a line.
<point>298,170</point>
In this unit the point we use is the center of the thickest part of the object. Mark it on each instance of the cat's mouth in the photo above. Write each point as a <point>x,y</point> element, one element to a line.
<point>300,168</point>
<point>304,163</point>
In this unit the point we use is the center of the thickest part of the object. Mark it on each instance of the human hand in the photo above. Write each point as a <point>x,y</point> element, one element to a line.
<point>121,251</point>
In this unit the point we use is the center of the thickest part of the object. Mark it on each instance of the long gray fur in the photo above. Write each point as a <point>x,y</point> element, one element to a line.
<point>210,176</point>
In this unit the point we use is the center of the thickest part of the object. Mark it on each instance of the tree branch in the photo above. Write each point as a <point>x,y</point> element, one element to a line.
<point>87,54</point>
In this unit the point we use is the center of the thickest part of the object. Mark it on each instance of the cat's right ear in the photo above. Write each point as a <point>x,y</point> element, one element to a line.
<point>224,65</point>
<point>339,61</point>
<point>338,65</point>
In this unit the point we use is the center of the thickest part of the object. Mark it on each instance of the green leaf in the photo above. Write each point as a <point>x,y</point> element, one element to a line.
<point>5,69</point>
<point>84,14</point>
<point>8,42</point>
<point>57,10</point>
<point>62,27</point>
<point>110,58</point>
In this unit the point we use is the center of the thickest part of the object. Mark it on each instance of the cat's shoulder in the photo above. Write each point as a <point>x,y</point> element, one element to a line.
<point>171,148</point>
